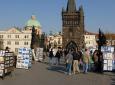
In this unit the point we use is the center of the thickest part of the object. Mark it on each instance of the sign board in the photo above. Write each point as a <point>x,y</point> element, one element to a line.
<point>24,58</point>
<point>6,62</point>
<point>108,58</point>
<point>39,54</point>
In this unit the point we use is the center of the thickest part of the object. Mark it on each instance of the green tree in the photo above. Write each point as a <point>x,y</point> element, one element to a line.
<point>42,40</point>
<point>34,39</point>
<point>1,44</point>
<point>101,39</point>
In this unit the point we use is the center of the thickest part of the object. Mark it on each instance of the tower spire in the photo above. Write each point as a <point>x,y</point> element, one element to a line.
<point>71,6</point>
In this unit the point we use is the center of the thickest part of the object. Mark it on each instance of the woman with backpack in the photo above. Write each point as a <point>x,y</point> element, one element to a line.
<point>86,60</point>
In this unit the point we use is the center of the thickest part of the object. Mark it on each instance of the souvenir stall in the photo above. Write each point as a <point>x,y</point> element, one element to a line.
<point>39,54</point>
<point>108,58</point>
<point>6,63</point>
<point>24,58</point>
<point>114,60</point>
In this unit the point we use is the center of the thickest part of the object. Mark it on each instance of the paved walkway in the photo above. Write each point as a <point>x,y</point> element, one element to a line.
<point>43,74</point>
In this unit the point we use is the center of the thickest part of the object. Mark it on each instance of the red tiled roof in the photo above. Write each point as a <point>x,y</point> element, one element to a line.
<point>90,33</point>
<point>108,35</point>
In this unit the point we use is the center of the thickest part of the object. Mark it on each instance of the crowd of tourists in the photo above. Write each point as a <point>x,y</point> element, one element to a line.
<point>76,60</point>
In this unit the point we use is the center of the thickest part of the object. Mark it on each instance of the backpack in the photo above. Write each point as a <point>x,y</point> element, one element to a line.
<point>76,56</point>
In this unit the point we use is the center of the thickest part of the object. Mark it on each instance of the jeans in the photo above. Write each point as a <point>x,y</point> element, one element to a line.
<point>85,67</point>
<point>89,66</point>
<point>50,60</point>
<point>68,69</point>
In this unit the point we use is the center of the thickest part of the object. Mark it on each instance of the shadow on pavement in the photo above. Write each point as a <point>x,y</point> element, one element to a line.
<point>113,81</point>
<point>109,74</point>
<point>60,69</point>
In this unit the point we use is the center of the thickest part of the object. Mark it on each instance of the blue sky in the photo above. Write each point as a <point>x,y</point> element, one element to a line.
<point>98,13</point>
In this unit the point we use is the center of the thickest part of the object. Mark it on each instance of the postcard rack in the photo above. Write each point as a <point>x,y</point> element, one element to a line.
<point>6,64</point>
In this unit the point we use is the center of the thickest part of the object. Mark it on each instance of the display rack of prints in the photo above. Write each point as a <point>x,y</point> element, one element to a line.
<point>39,54</point>
<point>6,63</point>
<point>114,65</point>
<point>108,58</point>
<point>24,58</point>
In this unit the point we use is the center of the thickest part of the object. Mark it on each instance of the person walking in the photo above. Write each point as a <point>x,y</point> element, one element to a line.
<point>80,59</point>
<point>100,61</point>
<point>76,58</point>
<point>58,56</point>
<point>50,56</point>
<point>69,60</point>
<point>91,63</point>
<point>95,59</point>
<point>86,59</point>
<point>54,59</point>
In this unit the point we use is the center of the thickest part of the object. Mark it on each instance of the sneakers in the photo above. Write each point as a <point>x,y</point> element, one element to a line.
<point>68,73</point>
<point>76,72</point>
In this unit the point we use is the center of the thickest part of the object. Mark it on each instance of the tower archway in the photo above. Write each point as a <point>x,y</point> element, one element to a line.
<point>71,45</point>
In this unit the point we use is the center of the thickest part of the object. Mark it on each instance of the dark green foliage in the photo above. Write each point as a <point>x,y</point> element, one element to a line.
<point>42,40</point>
<point>34,39</point>
<point>101,39</point>
<point>1,44</point>
<point>37,40</point>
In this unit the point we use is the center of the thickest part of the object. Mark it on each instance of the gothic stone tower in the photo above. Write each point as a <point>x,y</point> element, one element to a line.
<point>73,26</point>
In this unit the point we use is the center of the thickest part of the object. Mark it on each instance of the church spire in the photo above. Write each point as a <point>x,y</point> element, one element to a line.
<point>81,10</point>
<point>71,6</point>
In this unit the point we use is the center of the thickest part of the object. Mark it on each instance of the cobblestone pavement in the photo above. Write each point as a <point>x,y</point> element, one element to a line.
<point>43,74</point>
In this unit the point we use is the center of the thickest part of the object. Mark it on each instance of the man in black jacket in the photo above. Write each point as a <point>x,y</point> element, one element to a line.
<point>58,56</point>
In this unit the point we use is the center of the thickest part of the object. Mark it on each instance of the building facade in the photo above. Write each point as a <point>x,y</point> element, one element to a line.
<point>110,39</point>
<point>90,41</point>
<point>54,40</point>
<point>72,26</point>
<point>92,38</point>
<point>14,39</point>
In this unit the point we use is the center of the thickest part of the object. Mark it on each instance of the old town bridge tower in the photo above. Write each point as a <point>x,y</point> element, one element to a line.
<point>73,26</point>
